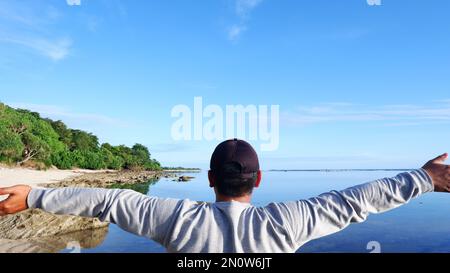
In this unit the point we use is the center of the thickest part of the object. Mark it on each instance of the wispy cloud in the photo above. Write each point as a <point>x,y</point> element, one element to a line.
<point>73,2</point>
<point>65,114</point>
<point>390,115</point>
<point>56,50</point>
<point>322,158</point>
<point>243,8</point>
<point>447,101</point>
<point>235,31</point>
<point>27,25</point>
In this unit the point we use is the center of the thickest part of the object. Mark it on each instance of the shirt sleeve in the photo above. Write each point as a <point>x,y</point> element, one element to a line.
<point>331,212</point>
<point>134,212</point>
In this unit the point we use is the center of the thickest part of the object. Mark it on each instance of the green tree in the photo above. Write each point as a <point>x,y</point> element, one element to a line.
<point>35,148</point>
<point>111,161</point>
<point>46,133</point>
<point>29,113</point>
<point>78,158</point>
<point>153,165</point>
<point>25,136</point>
<point>93,160</point>
<point>83,141</point>
<point>11,146</point>
<point>141,154</point>
<point>65,134</point>
<point>63,160</point>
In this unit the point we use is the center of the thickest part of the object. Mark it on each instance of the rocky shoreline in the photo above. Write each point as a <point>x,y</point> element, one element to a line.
<point>113,178</point>
<point>108,179</point>
<point>39,231</point>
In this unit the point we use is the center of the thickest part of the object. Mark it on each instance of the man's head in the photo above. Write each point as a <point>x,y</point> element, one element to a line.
<point>234,170</point>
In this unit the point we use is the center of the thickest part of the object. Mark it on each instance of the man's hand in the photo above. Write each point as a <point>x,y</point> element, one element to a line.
<point>16,201</point>
<point>439,172</point>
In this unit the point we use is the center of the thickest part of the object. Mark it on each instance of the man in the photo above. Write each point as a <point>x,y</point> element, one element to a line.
<point>232,224</point>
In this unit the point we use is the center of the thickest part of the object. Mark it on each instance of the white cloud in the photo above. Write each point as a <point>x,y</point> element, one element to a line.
<point>23,15</point>
<point>235,31</point>
<point>66,115</point>
<point>444,101</point>
<point>390,115</point>
<point>73,2</point>
<point>54,49</point>
<point>322,158</point>
<point>243,9</point>
<point>374,2</point>
<point>29,26</point>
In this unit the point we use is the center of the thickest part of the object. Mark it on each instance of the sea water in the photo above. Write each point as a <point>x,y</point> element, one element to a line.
<point>420,226</point>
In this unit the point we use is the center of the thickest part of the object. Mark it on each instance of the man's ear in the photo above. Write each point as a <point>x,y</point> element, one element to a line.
<point>211,179</point>
<point>258,179</point>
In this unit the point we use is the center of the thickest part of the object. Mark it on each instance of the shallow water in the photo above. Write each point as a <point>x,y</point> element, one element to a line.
<point>421,226</point>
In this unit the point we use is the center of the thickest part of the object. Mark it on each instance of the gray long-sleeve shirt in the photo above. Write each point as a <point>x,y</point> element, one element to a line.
<point>188,226</point>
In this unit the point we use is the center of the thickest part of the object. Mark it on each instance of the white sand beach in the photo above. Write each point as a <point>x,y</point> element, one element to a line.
<point>14,176</point>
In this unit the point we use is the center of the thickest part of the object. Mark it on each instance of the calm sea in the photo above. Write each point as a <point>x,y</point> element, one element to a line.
<point>421,226</point>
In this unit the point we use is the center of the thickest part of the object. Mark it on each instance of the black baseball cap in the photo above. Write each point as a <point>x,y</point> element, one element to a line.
<point>238,152</point>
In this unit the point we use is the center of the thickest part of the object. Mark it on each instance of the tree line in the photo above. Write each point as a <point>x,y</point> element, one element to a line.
<point>27,137</point>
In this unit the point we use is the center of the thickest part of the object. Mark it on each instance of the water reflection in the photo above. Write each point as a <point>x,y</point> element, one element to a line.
<point>63,243</point>
<point>143,188</point>
<point>421,226</point>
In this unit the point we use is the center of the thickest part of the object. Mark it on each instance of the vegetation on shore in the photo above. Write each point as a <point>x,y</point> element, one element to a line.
<point>26,137</point>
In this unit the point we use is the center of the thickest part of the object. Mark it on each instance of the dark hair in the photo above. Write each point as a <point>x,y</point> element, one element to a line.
<point>231,183</point>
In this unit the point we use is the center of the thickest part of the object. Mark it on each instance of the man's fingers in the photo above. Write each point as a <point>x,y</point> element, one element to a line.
<point>3,208</point>
<point>5,191</point>
<point>6,206</point>
<point>441,158</point>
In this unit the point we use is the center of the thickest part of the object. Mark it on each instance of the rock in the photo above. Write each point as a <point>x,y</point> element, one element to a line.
<point>107,179</point>
<point>185,178</point>
<point>37,223</point>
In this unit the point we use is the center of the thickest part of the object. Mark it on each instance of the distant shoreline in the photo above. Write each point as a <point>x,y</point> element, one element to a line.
<point>181,170</point>
<point>340,170</point>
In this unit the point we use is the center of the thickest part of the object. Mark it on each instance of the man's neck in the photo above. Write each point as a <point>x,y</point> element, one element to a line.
<point>241,199</point>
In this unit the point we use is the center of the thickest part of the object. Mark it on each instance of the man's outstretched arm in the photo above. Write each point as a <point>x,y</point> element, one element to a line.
<point>132,211</point>
<point>331,212</point>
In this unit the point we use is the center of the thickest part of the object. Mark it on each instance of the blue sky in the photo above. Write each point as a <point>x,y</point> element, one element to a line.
<point>358,86</point>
